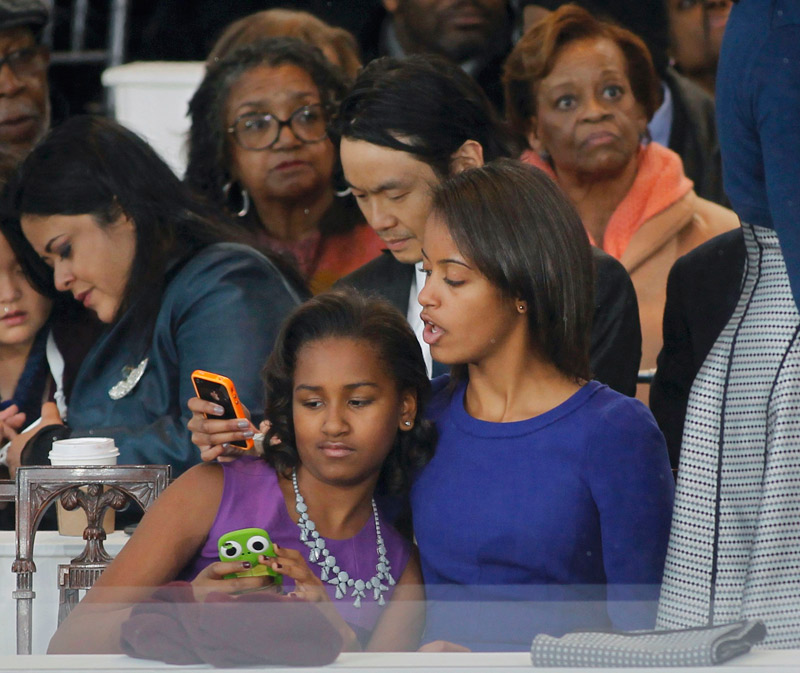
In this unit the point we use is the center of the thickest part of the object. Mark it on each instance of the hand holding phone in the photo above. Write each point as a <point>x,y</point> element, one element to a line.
<point>4,449</point>
<point>246,544</point>
<point>221,391</point>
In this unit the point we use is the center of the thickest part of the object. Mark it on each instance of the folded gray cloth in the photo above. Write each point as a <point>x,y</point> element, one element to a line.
<point>703,646</point>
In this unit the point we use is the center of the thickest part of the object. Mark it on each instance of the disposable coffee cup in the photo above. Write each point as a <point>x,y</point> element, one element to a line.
<point>82,452</point>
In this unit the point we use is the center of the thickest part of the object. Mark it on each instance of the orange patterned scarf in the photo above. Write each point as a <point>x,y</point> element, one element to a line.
<point>660,182</point>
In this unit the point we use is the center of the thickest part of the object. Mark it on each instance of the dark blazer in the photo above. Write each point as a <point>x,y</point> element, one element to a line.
<point>702,290</point>
<point>616,337</point>
<point>694,136</point>
<point>385,276</point>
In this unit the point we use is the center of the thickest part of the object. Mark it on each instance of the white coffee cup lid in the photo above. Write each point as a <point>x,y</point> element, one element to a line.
<point>84,446</point>
<point>88,441</point>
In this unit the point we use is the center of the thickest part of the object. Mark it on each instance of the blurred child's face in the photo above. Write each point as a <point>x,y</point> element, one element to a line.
<point>23,311</point>
<point>347,410</point>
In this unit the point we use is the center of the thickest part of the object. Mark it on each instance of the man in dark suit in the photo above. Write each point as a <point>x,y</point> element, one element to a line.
<point>406,126</point>
<point>702,290</point>
<point>474,34</point>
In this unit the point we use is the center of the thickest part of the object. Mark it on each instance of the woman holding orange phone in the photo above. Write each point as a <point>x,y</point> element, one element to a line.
<point>221,391</point>
<point>98,214</point>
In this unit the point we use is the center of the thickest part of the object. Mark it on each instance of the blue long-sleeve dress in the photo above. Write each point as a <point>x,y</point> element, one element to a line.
<point>543,525</point>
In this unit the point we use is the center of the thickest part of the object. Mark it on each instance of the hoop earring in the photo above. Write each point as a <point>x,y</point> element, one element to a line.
<point>226,189</point>
<point>344,192</point>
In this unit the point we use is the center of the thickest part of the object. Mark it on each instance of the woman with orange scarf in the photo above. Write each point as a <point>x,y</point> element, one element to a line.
<point>582,92</point>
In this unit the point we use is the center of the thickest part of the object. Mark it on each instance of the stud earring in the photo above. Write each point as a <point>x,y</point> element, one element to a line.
<point>407,423</point>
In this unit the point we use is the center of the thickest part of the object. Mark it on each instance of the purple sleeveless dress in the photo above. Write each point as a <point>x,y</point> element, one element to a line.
<point>252,498</point>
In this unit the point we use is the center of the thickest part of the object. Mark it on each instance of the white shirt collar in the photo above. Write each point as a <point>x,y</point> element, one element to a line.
<point>414,308</point>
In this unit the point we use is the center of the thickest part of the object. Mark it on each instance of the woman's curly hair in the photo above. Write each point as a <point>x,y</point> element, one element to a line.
<point>207,170</point>
<point>349,315</point>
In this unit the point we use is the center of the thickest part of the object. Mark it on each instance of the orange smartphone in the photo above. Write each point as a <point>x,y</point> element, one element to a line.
<point>220,390</point>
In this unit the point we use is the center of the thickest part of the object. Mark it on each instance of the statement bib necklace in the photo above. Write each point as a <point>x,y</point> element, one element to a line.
<point>331,572</point>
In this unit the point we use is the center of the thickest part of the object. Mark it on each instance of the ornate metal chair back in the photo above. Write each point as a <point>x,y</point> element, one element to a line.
<point>93,489</point>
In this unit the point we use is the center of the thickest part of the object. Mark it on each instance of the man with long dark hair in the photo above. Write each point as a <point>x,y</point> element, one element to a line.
<point>406,126</point>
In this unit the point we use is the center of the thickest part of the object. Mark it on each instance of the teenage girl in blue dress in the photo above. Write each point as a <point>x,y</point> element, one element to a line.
<point>548,502</point>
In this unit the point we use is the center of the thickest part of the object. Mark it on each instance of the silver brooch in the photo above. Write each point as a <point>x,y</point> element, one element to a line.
<point>132,376</point>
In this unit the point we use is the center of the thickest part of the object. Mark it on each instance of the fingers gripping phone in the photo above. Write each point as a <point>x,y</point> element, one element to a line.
<point>220,390</point>
<point>246,544</point>
<point>4,449</point>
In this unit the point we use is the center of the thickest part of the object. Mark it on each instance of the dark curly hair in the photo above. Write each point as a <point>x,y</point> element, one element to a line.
<point>347,314</point>
<point>208,161</point>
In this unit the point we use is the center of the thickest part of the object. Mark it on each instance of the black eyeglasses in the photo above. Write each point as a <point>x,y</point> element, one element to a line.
<point>255,131</point>
<point>24,62</point>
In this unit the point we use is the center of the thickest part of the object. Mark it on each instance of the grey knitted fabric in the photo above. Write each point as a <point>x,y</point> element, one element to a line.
<point>704,646</point>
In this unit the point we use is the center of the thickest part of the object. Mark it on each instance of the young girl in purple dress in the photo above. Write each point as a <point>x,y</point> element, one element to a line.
<point>346,383</point>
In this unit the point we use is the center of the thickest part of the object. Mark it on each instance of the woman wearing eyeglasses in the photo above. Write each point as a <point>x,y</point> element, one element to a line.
<point>24,100</point>
<point>259,146</point>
